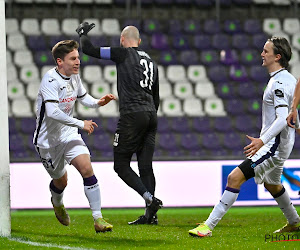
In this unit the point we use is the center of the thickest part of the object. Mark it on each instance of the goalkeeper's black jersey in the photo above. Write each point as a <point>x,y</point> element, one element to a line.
<point>137,80</point>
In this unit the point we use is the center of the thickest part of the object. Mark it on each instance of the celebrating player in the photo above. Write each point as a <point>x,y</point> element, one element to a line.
<point>266,154</point>
<point>56,136</point>
<point>137,86</point>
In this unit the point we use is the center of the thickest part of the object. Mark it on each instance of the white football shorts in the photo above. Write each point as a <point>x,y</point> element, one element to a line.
<point>55,159</point>
<point>269,171</point>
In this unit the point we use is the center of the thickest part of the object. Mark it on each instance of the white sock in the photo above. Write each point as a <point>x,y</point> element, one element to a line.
<point>228,198</point>
<point>287,207</point>
<point>57,195</point>
<point>93,195</point>
<point>148,197</point>
<point>57,199</point>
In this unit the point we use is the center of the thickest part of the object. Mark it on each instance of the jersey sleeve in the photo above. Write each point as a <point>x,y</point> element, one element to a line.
<point>81,89</point>
<point>280,94</point>
<point>49,89</point>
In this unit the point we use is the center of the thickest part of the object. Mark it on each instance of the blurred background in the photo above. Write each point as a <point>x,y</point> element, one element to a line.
<point>208,52</point>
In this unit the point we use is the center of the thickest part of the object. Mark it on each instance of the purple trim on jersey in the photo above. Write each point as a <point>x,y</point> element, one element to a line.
<point>105,52</point>
<point>233,190</point>
<point>55,189</point>
<point>90,181</point>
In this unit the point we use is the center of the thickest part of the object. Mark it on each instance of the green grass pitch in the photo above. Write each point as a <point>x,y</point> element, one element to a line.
<point>241,228</point>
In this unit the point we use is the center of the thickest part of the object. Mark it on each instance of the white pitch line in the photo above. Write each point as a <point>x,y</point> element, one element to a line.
<point>49,245</point>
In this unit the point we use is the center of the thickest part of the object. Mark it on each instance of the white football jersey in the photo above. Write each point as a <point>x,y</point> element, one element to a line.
<point>279,93</point>
<point>63,90</point>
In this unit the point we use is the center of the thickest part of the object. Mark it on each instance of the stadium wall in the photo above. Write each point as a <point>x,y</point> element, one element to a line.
<point>179,184</point>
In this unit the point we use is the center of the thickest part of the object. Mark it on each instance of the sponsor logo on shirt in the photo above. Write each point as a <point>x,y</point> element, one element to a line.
<point>279,93</point>
<point>68,99</point>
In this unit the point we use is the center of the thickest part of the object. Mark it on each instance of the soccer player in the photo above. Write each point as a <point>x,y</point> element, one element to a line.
<point>138,92</point>
<point>266,154</point>
<point>56,136</point>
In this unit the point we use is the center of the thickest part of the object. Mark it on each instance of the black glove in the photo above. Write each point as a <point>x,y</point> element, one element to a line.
<point>84,28</point>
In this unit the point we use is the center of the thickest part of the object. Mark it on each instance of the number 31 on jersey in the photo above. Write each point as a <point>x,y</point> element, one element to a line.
<point>148,72</point>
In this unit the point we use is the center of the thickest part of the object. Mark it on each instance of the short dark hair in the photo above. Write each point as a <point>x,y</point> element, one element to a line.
<point>281,46</point>
<point>62,48</point>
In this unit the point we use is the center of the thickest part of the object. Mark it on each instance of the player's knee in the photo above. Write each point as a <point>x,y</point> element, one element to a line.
<point>234,180</point>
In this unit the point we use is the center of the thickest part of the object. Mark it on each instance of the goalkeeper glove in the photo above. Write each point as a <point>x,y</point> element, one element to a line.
<point>84,28</point>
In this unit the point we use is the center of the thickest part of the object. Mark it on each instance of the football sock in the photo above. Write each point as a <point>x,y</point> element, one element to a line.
<point>287,207</point>
<point>57,195</point>
<point>92,192</point>
<point>229,197</point>
<point>148,197</point>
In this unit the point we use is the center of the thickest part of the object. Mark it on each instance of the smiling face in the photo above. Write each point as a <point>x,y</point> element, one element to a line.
<point>70,64</point>
<point>269,59</point>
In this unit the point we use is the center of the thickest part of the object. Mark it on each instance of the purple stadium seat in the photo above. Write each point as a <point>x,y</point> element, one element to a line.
<point>254,106</point>
<point>167,141</point>
<point>55,39</point>
<point>209,57</point>
<point>111,124</point>
<point>163,124</point>
<point>189,57</point>
<point>223,124</point>
<point>12,126</point>
<point>202,41</point>
<point>191,26</point>
<point>180,124</point>
<point>100,41</point>
<point>229,56</point>
<point>88,60</point>
<point>28,125</point>
<point>190,141</point>
<point>175,26</point>
<point>211,141</point>
<point>180,42</point>
<point>145,44</point>
<point>151,26</point>
<point>199,153</point>
<point>232,26</point>
<point>226,90</point>
<point>235,107</point>
<point>42,58</point>
<point>218,73</point>
<point>16,142</point>
<point>29,144</point>
<point>19,154</point>
<point>241,41</point>
<point>233,141</point>
<point>250,57</point>
<point>259,74</point>
<point>211,26</point>
<point>202,124</point>
<point>238,73</point>
<point>221,41</point>
<point>247,90</point>
<point>259,40</point>
<point>159,41</point>
<point>37,43</point>
<point>258,122</point>
<point>252,26</point>
<point>244,123</point>
<point>114,41</point>
<point>103,142</point>
<point>168,57</point>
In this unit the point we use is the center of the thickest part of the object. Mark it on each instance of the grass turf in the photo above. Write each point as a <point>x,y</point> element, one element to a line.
<point>241,228</point>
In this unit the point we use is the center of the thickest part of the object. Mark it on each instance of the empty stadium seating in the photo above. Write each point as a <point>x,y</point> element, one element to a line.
<point>211,79</point>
